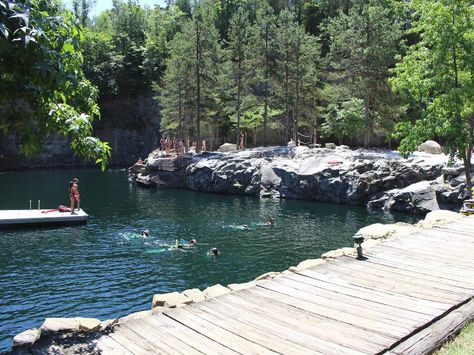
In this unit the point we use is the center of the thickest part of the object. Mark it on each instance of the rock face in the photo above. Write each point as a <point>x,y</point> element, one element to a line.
<point>377,179</point>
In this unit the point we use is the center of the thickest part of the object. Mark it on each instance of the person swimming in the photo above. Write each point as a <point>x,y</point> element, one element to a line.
<point>271,221</point>
<point>145,233</point>
<point>193,242</point>
<point>244,227</point>
<point>214,252</point>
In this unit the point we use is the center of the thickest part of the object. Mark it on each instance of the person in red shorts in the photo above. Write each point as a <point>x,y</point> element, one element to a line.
<point>74,195</point>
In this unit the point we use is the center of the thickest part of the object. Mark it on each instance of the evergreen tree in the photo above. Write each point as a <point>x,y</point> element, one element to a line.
<point>298,68</point>
<point>238,41</point>
<point>177,91</point>
<point>364,43</point>
<point>262,56</point>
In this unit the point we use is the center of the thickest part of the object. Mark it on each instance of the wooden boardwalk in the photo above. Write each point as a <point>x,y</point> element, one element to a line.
<point>410,294</point>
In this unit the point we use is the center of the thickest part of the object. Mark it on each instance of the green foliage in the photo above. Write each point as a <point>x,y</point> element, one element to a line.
<point>439,73</point>
<point>364,42</point>
<point>42,88</point>
<point>344,119</point>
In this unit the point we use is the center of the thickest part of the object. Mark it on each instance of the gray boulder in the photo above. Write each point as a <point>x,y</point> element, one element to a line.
<point>27,338</point>
<point>418,198</point>
<point>431,147</point>
<point>227,147</point>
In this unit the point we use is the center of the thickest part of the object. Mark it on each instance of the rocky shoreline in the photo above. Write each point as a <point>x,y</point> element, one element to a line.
<point>78,335</point>
<point>377,179</point>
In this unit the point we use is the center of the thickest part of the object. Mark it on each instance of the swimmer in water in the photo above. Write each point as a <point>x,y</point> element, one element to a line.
<point>244,227</point>
<point>145,233</point>
<point>271,221</point>
<point>214,251</point>
<point>193,242</point>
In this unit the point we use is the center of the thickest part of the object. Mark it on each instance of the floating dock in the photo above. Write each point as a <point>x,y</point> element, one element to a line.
<point>40,218</point>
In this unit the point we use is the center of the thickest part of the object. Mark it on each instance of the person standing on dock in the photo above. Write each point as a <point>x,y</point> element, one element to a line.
<point>74,195</point>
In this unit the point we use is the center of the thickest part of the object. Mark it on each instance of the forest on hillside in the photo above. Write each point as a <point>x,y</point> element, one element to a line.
<point>360,72</point>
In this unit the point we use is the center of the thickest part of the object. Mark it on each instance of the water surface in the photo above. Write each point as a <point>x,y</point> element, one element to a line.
<point>105,269</point>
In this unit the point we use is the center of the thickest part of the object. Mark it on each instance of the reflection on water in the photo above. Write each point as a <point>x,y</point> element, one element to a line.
<point>106,269</point>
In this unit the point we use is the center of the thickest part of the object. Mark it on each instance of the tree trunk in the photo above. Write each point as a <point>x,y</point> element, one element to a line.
<point>198,86</point>
<point>265,110</point>
<point>366,118</point>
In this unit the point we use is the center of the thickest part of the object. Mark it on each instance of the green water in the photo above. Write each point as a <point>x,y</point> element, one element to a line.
<point>105,269</point>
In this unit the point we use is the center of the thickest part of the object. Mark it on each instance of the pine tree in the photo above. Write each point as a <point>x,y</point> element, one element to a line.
<point>238,41</point>
<point>364,43</point>
<point>261,53</point>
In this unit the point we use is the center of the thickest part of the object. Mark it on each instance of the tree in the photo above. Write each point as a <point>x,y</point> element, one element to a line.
<point>238,41</point>
<point>438,72</point>
<point>177,91</point>
<point>363,46</point>
<point>262,57</point>
<point>207,59</point>
<point>192,74</point>
<point>81,10</point>
<point>42,88</point>
<point>298,68</point>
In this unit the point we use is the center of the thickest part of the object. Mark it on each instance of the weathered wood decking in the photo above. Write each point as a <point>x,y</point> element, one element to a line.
<point>405,298</point>
<point>37,218</point>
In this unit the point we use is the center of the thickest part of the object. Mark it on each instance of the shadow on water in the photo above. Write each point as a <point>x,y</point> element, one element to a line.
<point>105,269</point>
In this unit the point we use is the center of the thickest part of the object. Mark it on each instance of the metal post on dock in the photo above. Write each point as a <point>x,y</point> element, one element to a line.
<point>39,204</point>
<point>30,205</point>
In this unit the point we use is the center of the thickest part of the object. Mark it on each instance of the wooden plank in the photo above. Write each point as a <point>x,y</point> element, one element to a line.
<point>284,331</point>
<point>409,264</point>
<point>444,236</point>
<point>430,338</point>
<point>253,334</point>
<point>195,319</point>
<point>302,321</point>
<point>188,335</point>
<point>344,314</point>
<point>432,253</point>
<point>379,307</point>
<point>369,309</point>
<point>448,283</point>
<point>400,283</point>
<point>106,345</point>
<point>460,230</point>
<point>162,341</point>
<point>395,300</point>
<point>414,257</point>
<point>129,342</point>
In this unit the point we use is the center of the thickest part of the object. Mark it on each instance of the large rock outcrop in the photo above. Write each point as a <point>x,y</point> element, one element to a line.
<point>378,179</point>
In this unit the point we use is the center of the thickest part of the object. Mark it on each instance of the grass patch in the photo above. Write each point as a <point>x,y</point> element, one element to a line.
<point>461,345</point>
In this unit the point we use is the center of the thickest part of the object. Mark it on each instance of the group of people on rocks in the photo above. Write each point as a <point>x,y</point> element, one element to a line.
<point>167,144</point>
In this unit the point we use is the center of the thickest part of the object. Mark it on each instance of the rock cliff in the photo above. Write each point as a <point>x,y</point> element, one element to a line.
<point>375,178</point>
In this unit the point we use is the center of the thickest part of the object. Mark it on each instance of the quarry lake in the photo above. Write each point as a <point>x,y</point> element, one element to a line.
<point>105,269</point>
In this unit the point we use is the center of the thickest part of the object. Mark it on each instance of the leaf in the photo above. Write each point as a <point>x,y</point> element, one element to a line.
<point>22,15</point>
<point>4,30</point>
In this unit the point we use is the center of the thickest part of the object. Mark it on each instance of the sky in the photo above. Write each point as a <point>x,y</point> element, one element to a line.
<point>102,5</point>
